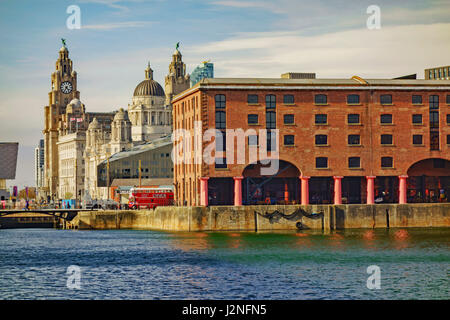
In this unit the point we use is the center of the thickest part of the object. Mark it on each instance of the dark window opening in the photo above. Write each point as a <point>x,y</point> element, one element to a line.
<point>271,120</point>
<point>386,139</point>
<point>417,118</point>
<point>321,119</point>
<point>288,99</point>
<point>252,119</point>
<point>353,99</point>
<point>387,162</point>
<point>220,120</point>
<point>353,118</point>
<point>321,162</point>
<point>271,101</point>
<point>320,99</point>
<point>416,99</point>
<point>252,98</point>
<point>321,139</point>
<point>354,139</point>
<point>354,162</point>
<point>386,118</point>
<point>417,139</point>
<point>434,102</point>
<point>288,119</point>
<point>289,140</point>
<point>220,101</point>
<point>386,99</point>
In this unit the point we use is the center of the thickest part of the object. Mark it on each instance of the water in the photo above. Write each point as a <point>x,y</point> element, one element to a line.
<point>130,264</point>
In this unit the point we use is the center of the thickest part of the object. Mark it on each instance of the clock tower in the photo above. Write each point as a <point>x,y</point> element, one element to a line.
<point>63,90</point>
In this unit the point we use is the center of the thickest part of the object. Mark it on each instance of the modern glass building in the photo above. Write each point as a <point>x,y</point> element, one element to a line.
<point>205,70</point>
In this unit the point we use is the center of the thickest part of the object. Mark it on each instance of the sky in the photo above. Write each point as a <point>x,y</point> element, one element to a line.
<point>242,38</point>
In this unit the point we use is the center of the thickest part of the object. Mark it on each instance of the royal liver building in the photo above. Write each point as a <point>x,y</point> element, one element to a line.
<point>76,141</point>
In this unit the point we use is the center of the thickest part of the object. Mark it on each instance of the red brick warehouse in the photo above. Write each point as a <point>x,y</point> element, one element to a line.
<point>339,141</point>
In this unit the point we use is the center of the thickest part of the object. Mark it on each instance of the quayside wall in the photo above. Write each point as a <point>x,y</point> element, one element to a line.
<point>269,217</point>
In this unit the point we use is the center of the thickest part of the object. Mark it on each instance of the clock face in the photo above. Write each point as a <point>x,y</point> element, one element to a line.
<point>66,87</point>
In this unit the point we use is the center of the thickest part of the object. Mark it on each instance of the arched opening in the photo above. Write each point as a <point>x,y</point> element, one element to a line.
<point>429,181</point>
<point>280,188</point>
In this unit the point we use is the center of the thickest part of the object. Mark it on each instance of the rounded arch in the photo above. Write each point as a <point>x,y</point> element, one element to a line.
<point>271,182</point>
<point>429,180</point>
<point>413,162</point>
<point>271,167</point>
<point>430,167</point>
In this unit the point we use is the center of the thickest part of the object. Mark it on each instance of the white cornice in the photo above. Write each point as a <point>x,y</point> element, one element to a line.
<point>337,87</point>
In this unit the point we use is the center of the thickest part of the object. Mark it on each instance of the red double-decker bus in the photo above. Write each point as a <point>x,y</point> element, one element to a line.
<point>150,198</point>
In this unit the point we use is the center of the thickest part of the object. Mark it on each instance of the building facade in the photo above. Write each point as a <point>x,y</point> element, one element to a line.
<point>438,73</point>
<point>152,159</point>
<point>205,70</point>
<point>331,141</point>
<point>39,165</point>
<point>63,90</point>
<point>71,165</point>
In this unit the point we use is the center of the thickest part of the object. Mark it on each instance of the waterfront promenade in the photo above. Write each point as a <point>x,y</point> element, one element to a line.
<point>269,217</point>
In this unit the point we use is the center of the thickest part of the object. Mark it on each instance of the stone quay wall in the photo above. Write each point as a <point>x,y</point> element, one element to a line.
<point>268,218</point>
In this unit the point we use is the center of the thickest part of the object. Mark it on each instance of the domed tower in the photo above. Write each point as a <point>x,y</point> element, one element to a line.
<point>121,132</point>
<point>149,117</point>
<point>177,80</point>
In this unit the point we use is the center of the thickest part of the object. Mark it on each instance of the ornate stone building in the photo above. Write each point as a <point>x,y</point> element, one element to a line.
<point>63,90</point>
<point>177,80</point>
<point>100,145</point>
<point>77,141</point>
<point>149,115</point>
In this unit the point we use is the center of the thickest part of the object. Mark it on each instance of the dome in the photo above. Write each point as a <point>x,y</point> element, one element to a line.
<point>121,115</point>
<point>63,48</point>
<point>75,102</point>
<point>149,87</point>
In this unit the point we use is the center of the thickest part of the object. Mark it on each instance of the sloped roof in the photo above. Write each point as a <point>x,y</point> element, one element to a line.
<point>155,144</point>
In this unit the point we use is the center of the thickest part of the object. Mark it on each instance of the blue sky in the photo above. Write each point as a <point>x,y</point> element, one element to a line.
<point>242,38</point>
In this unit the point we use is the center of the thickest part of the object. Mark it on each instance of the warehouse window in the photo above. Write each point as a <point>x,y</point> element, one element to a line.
<point>386,99</point>
<point>416,99</point>
<point>320,119</point>
<point>252,98</point>
<point>354,139</point>
<point>321,139</point>
<point>220,101</point>
<point>386,118</point>
<point>320,99</point>
<point>289,140</point>
<point>288,119</point>
<point>271,101</point>
<point>288,99</point>
<point>386,139</point>
<point>434,102</point>
<point>417,139</point>
<point>354,162</point>
<point>321,162</point>
<point>220,120</point>
<point>353,99</point>
<point>387,162</point>
<point>252,119</point>
<point>417,119</point>
<point>353,119</point>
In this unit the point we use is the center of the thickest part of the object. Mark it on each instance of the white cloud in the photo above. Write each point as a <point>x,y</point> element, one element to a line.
<point>388,52</point>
